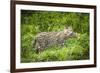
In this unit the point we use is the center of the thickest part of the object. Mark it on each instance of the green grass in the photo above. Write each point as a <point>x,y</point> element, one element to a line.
<point>72,50</point>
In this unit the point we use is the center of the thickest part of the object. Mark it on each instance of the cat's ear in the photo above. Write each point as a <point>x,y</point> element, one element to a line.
<point>69,28</point>
<point>66,27</point>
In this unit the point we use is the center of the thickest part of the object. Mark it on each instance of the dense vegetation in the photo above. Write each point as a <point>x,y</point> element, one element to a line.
<point>34,22</point>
